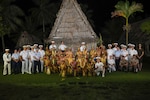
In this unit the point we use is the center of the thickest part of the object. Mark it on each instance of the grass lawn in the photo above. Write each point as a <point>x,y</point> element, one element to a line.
<point>115,86</point>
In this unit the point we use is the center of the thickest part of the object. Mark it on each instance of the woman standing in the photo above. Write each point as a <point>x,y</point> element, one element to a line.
<point>140,56</point>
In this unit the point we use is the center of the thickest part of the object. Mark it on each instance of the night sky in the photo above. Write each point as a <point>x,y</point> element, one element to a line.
<point>101,9</point>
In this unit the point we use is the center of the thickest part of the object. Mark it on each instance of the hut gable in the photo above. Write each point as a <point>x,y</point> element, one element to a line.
<point>72,26</point>
<point>25,38</point>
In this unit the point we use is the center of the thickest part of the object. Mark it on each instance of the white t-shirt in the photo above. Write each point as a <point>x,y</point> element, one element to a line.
<point>62,47</point>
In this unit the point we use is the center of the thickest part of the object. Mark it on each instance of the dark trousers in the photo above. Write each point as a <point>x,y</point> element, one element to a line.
<point>15,67</point>
<point>37,64</point>
<point>117,61</point>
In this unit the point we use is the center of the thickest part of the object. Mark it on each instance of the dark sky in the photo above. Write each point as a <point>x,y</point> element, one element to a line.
<point>101,8</point>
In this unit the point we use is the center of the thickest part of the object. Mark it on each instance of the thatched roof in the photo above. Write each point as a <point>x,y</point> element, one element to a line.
<point>27,39</point>
<point>72,26</point>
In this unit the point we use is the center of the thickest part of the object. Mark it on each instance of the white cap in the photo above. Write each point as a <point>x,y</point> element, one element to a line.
<point>52,41</point>
<point>83,43</point>
<point>129,44</point>
<point>124,46</point>
<point>24,46</point>
<point>35,45</point>
<point>32,47</point>
<point>40,46</point>
<point>98,57</point>
<point>29,46</point>
<point>132,45</point>
<point>6,49</point>
<point>115,43</point>
<point>110,45</point>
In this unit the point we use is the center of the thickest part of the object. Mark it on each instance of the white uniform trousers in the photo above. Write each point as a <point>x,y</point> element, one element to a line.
<point>42,65</point>
<point>7,66</point>
<point>24,66</point>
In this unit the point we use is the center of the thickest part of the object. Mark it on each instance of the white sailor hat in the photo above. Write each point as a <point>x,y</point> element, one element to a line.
<point>98,57</point>
<point>52,41</point>
<point>110,45</point>
<point>35,45</point>
<point>121,45</point>
<point>6,49</point>
<point>115,43</point>
<point>29,46</point>
<point>124,46</point>
<point>24,46</point>
<point>129,44</point>
<point>132,45</point>
<point>40,46</point>
<point>83,43</point>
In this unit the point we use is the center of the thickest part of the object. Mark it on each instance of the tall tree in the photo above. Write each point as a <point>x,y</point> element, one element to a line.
<point>44,12</point>
<point>145,26</point>
<point>125,9</point>
<point>11,14</point>
<point>9,18</point>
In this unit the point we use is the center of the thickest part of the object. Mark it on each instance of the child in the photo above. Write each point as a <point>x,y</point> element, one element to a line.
<point>99,67</point>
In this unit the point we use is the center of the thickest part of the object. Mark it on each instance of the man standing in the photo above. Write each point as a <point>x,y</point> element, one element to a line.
<point>24,58</point>
<point>37,63</point>
<point>15,62</point>
<point>7,62</point>
<point>82,47</point>
<point>42,52</point>
<point>52,46</point>
<point>62,46</point>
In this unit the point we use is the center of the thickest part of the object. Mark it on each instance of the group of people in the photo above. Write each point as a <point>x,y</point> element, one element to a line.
<point>94,62</point>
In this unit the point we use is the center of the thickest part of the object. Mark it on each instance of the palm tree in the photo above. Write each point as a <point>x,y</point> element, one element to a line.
<point>11,13</point>
<point>125,9</point>
<point>43,12</point>
<point>9,18</point>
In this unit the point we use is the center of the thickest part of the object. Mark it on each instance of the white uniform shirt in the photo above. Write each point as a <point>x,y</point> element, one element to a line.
<point>133,52</point>
<point>24,54</point>
<point>99,66</point>
<point>6,58</point>
<point>62,47</point>
<point>52,46</point>
<point>111,62</point>
<point>42,52</point>
<point>15,55</point>
<point>125,54</point>
<point>31,54</point>
<point>37,56</point>
<point>82,48</point>
<point>110,52</point>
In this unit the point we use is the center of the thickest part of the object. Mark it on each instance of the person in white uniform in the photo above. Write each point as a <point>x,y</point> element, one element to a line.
<point>99,67</point>
<point>37,64</point>
<point>31,60</point>
<point>110,51</point>
<point>24,58</point>
<point>62,46</point>
<point>7,62</point>
<point>111,64</point>
<point>53,45</point>
<point>42,52</point>
<point>15,62</point>
<point>82,47</point>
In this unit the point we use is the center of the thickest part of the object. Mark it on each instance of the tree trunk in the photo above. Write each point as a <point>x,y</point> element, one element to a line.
<point>3,42</point>
<point>127,31</point>
<point>43,26</point>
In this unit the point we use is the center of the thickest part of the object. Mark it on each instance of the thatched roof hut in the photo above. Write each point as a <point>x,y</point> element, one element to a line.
<point>27,39</point>
<point>72,27</point>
